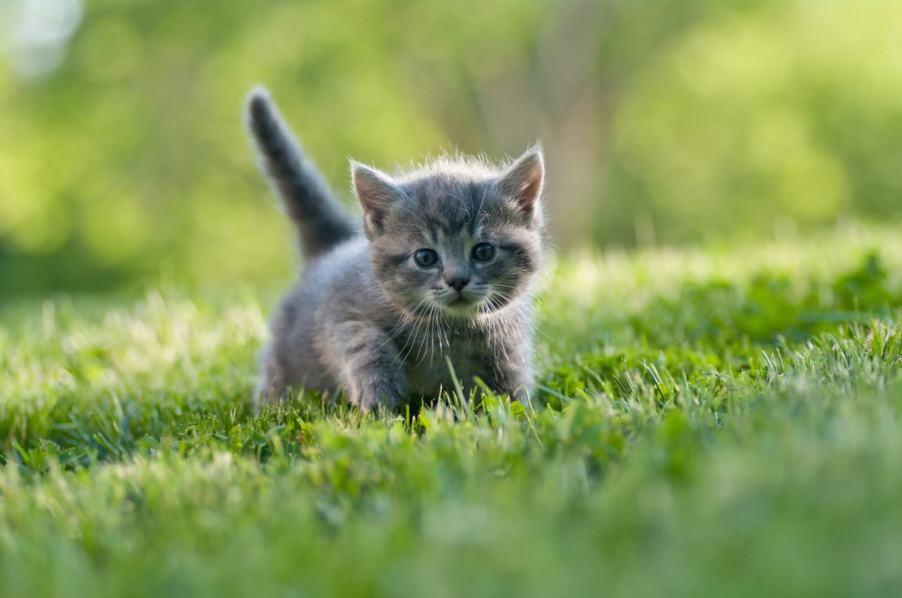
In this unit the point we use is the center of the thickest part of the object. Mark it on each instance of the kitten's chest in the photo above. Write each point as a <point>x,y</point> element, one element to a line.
<point>431,358</point>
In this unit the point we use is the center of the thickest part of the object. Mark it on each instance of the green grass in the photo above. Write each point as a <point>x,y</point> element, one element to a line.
<point>710,422</point>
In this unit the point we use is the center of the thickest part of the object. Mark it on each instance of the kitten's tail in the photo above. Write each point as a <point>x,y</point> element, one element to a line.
<point>320,220</point>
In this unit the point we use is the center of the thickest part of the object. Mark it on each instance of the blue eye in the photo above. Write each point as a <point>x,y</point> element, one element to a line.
<point>425,257</point>
<point>483,252</point>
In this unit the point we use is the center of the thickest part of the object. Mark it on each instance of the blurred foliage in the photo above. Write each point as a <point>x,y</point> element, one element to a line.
<point>122,154</point>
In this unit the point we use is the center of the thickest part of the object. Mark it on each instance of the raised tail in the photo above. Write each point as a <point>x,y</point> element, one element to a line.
<point>320,220</point>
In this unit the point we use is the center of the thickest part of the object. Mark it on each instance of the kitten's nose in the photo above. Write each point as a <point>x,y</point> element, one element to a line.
<point>457,281</point>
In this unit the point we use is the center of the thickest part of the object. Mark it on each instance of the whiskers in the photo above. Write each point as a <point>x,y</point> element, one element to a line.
<point>499,296</point>
<point>424,330</point>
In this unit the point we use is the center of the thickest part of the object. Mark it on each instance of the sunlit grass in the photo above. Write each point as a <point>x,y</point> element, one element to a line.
<point>708,422</point>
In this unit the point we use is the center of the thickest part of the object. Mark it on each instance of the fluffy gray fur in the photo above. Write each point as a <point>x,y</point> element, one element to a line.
<point>366,315</point>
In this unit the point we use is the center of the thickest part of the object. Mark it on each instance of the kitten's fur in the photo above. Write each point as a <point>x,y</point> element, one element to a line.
<point>364,317</point>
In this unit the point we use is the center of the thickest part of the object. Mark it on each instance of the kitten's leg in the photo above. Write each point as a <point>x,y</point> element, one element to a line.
<point>371,369</point>
<point>517,386</point>
<point>513,371</point>
<point>271,388</point>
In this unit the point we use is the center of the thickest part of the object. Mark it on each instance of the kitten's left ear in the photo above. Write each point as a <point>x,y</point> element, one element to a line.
<point>522,182</point>
<point>377,194</point>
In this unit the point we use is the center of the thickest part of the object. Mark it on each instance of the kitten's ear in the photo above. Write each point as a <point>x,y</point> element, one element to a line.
<point>376,192</point>
<point>522,182</point>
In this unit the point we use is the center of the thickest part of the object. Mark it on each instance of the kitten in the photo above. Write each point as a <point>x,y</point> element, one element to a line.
<point>441,273</point>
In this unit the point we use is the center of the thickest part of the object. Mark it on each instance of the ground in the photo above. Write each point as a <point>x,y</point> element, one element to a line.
<point>709,422</point>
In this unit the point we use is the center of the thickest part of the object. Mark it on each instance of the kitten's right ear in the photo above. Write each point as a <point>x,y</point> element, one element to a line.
<point>376,192</point>
<point>522,183</point>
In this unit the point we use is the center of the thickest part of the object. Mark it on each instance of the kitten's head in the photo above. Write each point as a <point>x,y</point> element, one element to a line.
<point>457,238</point>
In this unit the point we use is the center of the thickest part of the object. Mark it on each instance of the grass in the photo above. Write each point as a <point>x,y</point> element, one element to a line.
<point>720,421</point>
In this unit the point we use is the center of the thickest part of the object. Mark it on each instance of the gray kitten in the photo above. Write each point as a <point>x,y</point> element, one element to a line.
<point>438,281</point>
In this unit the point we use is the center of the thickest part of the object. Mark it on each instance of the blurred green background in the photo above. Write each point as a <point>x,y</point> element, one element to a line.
<point>123,157</point>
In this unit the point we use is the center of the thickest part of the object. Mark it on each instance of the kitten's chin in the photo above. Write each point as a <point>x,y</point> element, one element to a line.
<point>460,308</point>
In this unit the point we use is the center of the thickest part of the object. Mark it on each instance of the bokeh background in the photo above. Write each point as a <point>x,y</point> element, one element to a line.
<point>123,158</point>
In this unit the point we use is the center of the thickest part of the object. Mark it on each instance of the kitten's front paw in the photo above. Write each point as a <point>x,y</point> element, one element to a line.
<point>520,395</point>
<point>371,396</point>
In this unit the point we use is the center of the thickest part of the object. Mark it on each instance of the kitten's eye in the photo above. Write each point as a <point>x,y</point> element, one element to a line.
<point>483,252</point>
<point>425,257</point>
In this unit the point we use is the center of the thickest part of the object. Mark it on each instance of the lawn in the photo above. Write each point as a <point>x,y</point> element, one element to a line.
<point>709,422</point>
